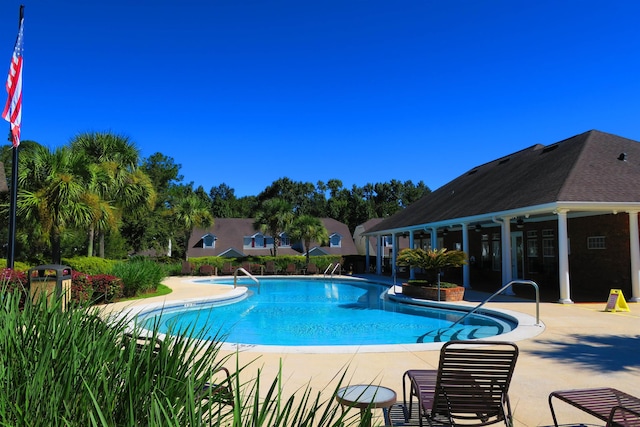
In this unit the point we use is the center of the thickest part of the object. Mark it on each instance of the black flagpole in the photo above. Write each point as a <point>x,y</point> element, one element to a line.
<point>14,188</point>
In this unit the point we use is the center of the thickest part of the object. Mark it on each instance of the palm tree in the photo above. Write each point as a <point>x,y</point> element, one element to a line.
<point>118,182</point>
<point>191,211</point>
<point>274,217</point>
<point>53,193</point>
<point>307,228</point>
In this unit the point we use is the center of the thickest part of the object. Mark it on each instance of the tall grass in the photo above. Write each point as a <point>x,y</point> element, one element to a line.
<point>71,368</point>
<point>139,275</point>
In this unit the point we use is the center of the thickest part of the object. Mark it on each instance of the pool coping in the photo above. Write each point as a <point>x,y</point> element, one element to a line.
<point>526,325</point>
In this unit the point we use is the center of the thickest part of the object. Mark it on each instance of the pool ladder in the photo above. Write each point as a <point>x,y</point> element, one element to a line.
<point>336,267</point>
<point>441,331</point>
<point>251,276</point>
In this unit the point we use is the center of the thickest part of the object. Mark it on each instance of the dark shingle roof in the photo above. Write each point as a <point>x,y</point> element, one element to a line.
<point>230,232</point>
<point>583,168</point>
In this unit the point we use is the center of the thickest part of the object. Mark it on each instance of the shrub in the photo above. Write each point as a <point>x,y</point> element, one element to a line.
<point>90,265</point>
<point>81,289</point>
<point>106,287</point>
<point>139,276</point>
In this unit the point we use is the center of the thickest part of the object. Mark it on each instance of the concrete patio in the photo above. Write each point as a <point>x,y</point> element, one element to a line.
<point>581,346</point>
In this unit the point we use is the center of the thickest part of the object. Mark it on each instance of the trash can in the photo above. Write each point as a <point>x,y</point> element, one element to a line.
<point>52,280</point>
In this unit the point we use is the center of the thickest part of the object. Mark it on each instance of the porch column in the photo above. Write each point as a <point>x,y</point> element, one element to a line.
<point>412,273</point>
<point>379,255</point>
<point>563,258</point>
<point>507,275</point>
<point>394,252</point>
<point>434,238</point>
<point>635,256</point>
<point>367,261</point>
<point>466,280</point>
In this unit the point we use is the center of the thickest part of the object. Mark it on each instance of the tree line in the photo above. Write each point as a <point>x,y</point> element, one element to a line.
<point>96,196</point>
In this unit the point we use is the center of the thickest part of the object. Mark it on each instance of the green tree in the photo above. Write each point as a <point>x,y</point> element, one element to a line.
<point>307,228</point>
<point>53,193</point>
<point>274,217</point>
<point>190,211</point>
<point>117,184</point>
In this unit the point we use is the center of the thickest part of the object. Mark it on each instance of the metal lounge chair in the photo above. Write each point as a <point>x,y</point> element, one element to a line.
<point>312,268</point>
<point>615,407</point>
<point>470,386</point>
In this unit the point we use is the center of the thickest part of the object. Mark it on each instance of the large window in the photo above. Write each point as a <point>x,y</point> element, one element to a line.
<point>496,253</point>
<point>533,251</point>
<point>548,251</point>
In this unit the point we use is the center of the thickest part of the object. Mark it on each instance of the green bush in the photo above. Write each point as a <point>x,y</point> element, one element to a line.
<point>106,287</point>
<point>138,276</point>
<point>90,265</point>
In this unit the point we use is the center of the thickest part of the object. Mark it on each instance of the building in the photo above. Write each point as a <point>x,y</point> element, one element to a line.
<point>564,215</point>
<point>236,237</point>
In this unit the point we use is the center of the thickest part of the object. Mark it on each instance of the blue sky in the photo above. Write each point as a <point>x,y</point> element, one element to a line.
<point>245,92</point>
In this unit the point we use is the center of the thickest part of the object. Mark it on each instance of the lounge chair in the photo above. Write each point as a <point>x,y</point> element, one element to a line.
<point>227,269</point>
<point>206,270</point>
<point>312,268</point>
<point>608,404</point>
<point>470,386</point>
<point>291,269</point>
<point>270,268</point>
<point>187,268</point>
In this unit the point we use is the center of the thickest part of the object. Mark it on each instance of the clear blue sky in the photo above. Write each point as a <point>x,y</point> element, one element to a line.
<point>246,92</point>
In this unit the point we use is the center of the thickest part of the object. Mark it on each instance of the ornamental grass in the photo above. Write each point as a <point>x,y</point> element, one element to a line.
<point>73,368</point>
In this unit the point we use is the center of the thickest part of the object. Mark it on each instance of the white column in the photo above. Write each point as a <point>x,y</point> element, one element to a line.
<point>434,238</point>
<point>394,253</point>
<point>563,258</point>
<point>506,254</point>
<point>635,256</point>
<point>379,255</point>
<point>367,260</point>
<point>412,274</point>
<point>466,281</point>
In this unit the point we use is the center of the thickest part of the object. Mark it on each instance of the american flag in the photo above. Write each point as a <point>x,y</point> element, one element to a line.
<point>13,109</point>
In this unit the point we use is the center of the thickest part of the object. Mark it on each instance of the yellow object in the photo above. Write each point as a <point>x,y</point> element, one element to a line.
<point>616,301</point>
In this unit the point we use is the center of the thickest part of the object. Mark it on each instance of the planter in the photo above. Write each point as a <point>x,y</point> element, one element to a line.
<point>431,293</point>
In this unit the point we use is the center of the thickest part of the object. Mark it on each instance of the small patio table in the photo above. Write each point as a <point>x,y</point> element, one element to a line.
<point>366,397</point>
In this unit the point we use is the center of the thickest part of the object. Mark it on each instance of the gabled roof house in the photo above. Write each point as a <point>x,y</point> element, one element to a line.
<point>564,215</point>
<point>236,237</point>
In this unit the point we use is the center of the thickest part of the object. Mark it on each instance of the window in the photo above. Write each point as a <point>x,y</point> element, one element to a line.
<point>209,241</point>
<point>257,241</point>
<point>548,244</point>
<point>495,252</point>
<point>285,241</point>
<point>386,240</point>
<point>335,240</point>
<point>596,242</point>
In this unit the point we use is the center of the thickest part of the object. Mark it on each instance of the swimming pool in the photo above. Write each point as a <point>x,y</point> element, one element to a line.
<point>303,312</point>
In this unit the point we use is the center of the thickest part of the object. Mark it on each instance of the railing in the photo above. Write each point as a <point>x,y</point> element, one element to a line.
<point>441,331</point>
<point>335,267</point>
<point>251,276</point>
<point>499,291</point>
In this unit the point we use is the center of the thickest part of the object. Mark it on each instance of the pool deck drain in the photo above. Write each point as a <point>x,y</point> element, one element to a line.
<point>581,346</point>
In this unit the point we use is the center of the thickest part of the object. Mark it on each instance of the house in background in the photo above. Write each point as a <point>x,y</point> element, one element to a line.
<point>236,237</point>
<point>563,215</point>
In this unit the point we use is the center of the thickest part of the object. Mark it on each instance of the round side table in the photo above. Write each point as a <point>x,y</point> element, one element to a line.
<point>366,397</point>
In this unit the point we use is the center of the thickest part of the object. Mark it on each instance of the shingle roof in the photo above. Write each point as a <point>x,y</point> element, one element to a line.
<point>229,233</point>
<point>583,168</point>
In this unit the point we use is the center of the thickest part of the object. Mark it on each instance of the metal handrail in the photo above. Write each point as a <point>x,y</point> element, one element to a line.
<point>508,285</point>
<point>326,270</point>
<point>251,276</point>
<point>337,267</point>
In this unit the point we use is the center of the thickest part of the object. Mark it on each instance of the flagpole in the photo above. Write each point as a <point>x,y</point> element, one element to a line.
<point>14,187</point>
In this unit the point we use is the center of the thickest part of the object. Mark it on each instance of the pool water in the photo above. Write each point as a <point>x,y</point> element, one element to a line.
<point>311,312</point>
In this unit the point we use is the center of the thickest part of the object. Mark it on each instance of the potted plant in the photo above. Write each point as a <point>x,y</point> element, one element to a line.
<point>432,262</point>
